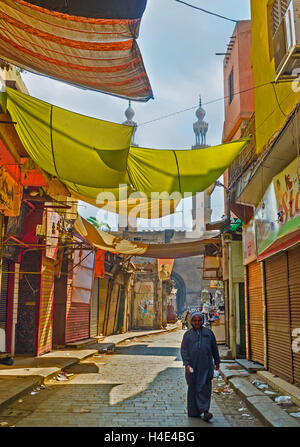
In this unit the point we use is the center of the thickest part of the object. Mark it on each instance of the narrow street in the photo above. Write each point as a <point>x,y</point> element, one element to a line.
<point>141,384</point>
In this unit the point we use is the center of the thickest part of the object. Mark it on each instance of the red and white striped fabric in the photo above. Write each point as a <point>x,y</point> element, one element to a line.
<point>100,54</point>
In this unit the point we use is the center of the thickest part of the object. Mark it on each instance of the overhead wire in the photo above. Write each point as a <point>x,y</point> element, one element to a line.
<point>204,104</point>
<point>207,12</point>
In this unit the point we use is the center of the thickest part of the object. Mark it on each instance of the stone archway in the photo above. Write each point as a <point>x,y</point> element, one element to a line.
<point>181,292</point>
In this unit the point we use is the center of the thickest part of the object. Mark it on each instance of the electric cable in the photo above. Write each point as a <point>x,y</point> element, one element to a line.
<point>207,12</point>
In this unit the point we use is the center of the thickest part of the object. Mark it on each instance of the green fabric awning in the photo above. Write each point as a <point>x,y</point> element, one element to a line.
<point>91,155</point>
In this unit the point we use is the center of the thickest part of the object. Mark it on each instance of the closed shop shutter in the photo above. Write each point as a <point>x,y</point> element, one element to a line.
<point>78,308</point>
<point>111,323</point>
<point>255,312</point>
<point>4,293</point>
<point>103,297</point>
<point>78,324</point>
<point>278,317</point>
<point>46,307</point>
<point>94,308</point>
<point>294,285</point>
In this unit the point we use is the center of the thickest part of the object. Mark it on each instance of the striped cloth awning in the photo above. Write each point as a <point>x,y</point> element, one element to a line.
<point>98,9</point>
<point>96,53</point>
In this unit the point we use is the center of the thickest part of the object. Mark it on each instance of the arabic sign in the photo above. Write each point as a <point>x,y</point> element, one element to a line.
<point>278,214</point>
<point>249,242</point>
<point>10,193</point>
<point>52,219</point>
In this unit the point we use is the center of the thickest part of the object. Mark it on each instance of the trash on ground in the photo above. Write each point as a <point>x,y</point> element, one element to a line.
<point>20,401</point>
<point>246,415</point>
<point>33,393</point>
<point>270,393</point>
<point>80,410</point>
<point>43,387</point>
<point>223,390</point>
<point>69,374</point>
<point>260,385</point>
<point>295,415</point>
<point>242,409</point>
<point>61,379</point>
<point>127,341</point>
<point>283,400</point>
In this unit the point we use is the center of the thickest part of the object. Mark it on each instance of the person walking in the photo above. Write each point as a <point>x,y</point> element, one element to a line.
<point>198,351</point>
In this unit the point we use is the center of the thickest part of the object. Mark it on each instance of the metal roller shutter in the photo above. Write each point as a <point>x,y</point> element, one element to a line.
<point>278,317</point>
<point>103,296</point>
<point>112,311</point>
<point>94,309</point>
<point>46,306</point>
<point>294,286</point>
<point>78,308</point>
<point>4,293</point>
<point>255,309</point>
<point>78,322</point>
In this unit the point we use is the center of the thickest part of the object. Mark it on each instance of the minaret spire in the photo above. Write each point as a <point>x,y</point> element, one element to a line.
<point>200,127</point>
<point>129,113</point>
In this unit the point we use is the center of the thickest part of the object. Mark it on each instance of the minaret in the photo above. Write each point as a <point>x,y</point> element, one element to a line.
<point>201,211</point>
<point>131,222</point>
<point>129,113</point>
<point>200,127</point>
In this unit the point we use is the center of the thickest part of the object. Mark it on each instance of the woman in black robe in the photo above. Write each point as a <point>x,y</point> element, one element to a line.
<point>198,350</point>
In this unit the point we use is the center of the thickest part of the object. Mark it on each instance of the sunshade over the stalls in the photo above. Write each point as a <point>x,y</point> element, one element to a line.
<point>96,53</point>
<point>143,208</point>
<point>100,9</point>
<point>108,242</point>
<point>92,156</point>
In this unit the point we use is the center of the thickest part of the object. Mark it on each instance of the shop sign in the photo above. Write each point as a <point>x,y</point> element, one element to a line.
<point>278,214</point>
<point>214,284</point>
<point>10,193</point>
<point>165,267</point>
<point>52,233</point>
<point>249,242</point>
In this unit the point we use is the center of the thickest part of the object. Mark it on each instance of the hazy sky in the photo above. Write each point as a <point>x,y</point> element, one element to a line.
<point>178,46</point>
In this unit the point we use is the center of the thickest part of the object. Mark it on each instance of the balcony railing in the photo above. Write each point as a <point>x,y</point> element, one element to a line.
<point>247,156</point>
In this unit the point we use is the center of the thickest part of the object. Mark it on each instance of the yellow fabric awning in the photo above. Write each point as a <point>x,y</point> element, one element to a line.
<point>92,156</point>
<point>108,242</point>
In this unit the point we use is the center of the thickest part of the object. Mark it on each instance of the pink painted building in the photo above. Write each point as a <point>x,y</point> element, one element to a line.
<point>238,82</point>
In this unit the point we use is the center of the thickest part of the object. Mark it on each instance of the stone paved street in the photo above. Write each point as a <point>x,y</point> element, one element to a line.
<point>142,384</point>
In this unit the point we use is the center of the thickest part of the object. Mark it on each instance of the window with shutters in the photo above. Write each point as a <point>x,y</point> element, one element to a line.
<point>278,11</point>
<point>231,87</point>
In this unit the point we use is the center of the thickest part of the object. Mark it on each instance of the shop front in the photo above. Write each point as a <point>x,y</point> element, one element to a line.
<point>254,298</point>
<point>277,220</point>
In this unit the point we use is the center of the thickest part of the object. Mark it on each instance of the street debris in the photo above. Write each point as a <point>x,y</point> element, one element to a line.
<point>242,409</point>
<point>127,341</point>
<point>283,400</point>
<point>20,401</point>
<point>80,410</point>
<point>260,385</point>
<point>295,415</point>
<point>270,393</point>
<point>246,415</point>
<point>223,390</point>
<point>33,393</point>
